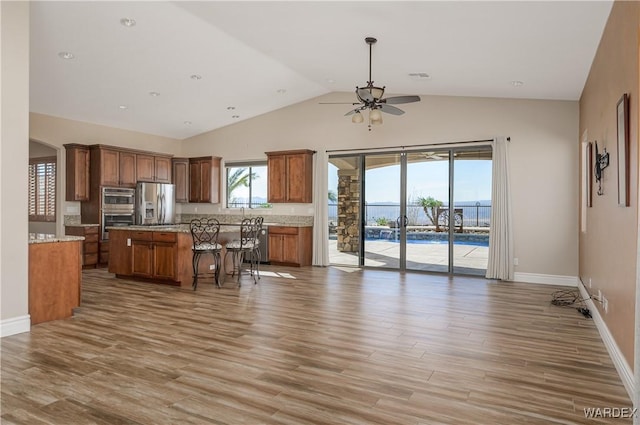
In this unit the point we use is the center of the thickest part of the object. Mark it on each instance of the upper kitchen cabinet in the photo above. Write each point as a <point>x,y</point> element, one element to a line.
<point>181,178</point>
<point>111,167</point>
<point>204,179</point>
<point>77,172</point>
<point>290,176</point>
<point>153,168</point>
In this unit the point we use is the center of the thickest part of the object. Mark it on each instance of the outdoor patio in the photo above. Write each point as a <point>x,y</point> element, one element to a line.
<point>433,257</point>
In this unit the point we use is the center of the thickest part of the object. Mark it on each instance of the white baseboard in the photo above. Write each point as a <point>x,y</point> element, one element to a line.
<point>621,364</point>
<point>15,325</point>
<point>546,279</point>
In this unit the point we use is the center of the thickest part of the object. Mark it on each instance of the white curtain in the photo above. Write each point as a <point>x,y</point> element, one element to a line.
<point>320,201</point>
<point>500,264</point>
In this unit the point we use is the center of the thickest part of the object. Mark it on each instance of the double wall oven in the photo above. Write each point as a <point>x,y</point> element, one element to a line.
<point>118,208</point>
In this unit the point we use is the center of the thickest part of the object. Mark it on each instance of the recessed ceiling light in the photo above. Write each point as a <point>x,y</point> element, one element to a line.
<point>128,22</point>
<point>154,93</point>
<point>281,91</point>
<point>187,123</point>
<point>330,80</point>
<point>235,116</point>
<point>66,55</point>
<point>516,83</point>
<point>230,108</point>
<point>196,77</point>
<point>123,107</point>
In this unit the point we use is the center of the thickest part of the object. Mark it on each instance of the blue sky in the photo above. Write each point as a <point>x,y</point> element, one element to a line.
<point>472,181</point>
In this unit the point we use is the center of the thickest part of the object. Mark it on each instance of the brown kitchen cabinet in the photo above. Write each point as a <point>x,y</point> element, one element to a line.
<point>204,179</point>
<point>89,245</point>
<point>152,168</point>
<point>77,173</point>
<point>120,260</point>
<point>291,246</point>
<point>290,176</point>
<point>161,257</point>
<point>180,177</point>
<point>113,168</point>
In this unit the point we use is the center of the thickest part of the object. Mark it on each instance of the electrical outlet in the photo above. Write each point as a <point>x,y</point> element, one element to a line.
<point>605,304</point>
<point>128,241</point>
<point>515,261</point>
<point>195,209</point>
<point>599,295</point>
<point>589,282</point>
<point>212,267</point>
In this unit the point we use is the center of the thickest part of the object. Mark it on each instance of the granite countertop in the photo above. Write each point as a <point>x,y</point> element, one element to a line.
<point>47,238</point>
<point>83,225</point>
<point>184,227</point>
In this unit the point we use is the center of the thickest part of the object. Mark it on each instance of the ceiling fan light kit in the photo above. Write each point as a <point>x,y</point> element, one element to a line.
<point>371,97</point>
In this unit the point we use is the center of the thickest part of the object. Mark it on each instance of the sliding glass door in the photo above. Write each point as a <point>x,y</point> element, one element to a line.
<point>425,210</point>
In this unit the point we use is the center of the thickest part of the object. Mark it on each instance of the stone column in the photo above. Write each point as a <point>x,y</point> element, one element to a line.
<point>348,228</point>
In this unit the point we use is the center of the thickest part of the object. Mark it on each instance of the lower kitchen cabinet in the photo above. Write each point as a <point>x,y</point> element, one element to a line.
<point>291,246</point>
<point>163,257</point>
<point>89,245</point>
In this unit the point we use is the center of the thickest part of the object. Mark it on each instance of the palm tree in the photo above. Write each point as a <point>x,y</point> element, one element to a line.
<point>332,196</point>
<point>239,178</point>
<point>430,206</point>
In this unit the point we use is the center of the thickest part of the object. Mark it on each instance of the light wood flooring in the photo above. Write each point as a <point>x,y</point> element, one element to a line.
<point>311,346</point>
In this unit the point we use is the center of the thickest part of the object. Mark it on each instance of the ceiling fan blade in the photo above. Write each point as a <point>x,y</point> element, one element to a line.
<point>391,109</point>
<point>352,112</point>
<point>397,100</point>
<point>337,103</point>
<point>364,94</point>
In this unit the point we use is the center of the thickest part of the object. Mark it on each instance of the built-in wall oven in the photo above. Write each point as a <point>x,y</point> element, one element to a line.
<point>118,208</point>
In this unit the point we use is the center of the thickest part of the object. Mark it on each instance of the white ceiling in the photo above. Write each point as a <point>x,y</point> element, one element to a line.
<point>249,52</point>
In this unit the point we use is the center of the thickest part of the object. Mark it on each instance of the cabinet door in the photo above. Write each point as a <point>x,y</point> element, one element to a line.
<point>164,260</point>
<point>77,174</point>
<point>298,179</point>
<point>205,180</point>
<point>145,167</point>
<point>109,167</point>
<point>181,179</point>
<point>194,181</point>
<point>127,169</point>
<point>290,249</point>
<point>162,167</point>
<point>276,164</point>
<point>120,260</point>
<point>276,245</point>
<point>142,258</point>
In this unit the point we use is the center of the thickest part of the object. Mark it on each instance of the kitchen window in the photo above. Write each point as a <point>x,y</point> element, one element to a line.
<point>247,184</point>
<point>42,189</point>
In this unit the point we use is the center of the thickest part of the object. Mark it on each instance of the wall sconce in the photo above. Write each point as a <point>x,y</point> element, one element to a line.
<point>602,162</point>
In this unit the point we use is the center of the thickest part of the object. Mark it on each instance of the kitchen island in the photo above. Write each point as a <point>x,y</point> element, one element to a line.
<point>162,254</point>
<point>55,276</point>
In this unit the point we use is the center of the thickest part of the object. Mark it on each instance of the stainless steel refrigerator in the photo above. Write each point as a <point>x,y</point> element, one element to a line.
<point>155,203</point>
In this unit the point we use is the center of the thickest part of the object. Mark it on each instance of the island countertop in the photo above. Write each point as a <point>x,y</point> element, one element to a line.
<point>184,227</point>
<point>48,238</point>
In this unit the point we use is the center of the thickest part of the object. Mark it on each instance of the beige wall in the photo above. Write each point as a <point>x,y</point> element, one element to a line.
<point>544,162</point>
<point>14,157</point>
<point>608,248</point>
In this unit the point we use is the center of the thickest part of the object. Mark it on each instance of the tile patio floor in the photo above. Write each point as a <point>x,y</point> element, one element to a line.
<point>467,259</point>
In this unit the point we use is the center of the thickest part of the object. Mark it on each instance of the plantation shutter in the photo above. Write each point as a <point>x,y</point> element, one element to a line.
<point>42,189</point>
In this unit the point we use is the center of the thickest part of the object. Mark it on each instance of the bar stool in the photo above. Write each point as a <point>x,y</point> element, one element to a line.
<point>246,244</point>
<point>204,233</point>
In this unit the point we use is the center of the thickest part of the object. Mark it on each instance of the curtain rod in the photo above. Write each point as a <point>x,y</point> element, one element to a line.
<point>414,146</point>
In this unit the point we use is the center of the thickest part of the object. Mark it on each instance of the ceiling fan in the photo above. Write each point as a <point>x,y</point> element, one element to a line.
<point>370,97</point>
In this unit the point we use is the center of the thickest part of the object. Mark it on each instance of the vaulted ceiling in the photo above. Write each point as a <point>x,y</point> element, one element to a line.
<point>185,68</point>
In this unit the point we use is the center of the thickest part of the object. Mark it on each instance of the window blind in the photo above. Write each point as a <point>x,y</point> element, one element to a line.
<point>42,189</point>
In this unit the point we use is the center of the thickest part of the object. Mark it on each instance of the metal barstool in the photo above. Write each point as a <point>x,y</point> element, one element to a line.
<point>245,244</point>
<point>205,241</point>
